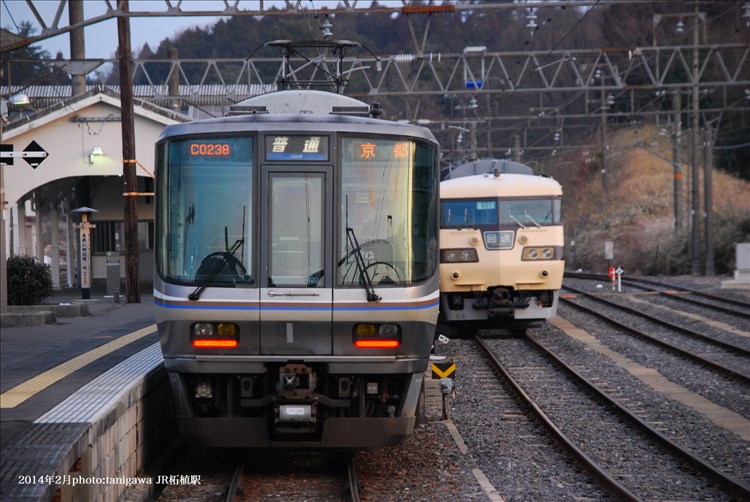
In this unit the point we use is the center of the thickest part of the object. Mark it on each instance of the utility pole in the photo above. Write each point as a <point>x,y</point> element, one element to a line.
<point>473,152</point>
<point>676,146</point>
<point>130,181</point>
<point>708,152</point>
<point>603,140</point>
<point>174,79</point>
<point>695,209</point>
<point>77,46</point>
<point>3,258</point>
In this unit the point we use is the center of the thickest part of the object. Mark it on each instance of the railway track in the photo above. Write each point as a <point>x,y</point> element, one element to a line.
<point>515,452</point>
<point>255,475</point>
<point>631,457</point>
<point>729,358</point>
<point>721,303</point>
<point>511,446</point>
<point>297,476</point>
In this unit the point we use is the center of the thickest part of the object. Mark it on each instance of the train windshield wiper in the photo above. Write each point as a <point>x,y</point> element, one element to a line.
<point>532,220</point>
<point>516,221</point>
<point>364,276</point>
<point>226,258</point>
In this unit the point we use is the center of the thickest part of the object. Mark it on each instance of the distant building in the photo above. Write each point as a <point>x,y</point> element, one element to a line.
<point>83,138</point>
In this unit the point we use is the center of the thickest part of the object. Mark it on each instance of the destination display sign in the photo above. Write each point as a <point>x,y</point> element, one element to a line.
<point>297,147</point>
<point>369,150</point>
<point>499,239</point>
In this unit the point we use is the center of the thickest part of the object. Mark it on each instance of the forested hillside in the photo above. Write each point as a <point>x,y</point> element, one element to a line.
<point>613,26</point>
<point>636,211</point>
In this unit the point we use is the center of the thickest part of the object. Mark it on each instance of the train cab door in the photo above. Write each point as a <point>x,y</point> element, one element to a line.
<point>297,274</point>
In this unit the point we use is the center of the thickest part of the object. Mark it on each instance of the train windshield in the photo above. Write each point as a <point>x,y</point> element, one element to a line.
<point>205,228</point>
<point>462,213</point>
<point>387,216</point>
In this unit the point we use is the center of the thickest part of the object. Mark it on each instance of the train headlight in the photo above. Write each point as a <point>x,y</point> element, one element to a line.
<point>203,329</point>
<point>541,253</point>
<point>376,336</point>
<point>467,255</point>
<point>226,329</point>
<point>214,335</point>
<point>364,330</point>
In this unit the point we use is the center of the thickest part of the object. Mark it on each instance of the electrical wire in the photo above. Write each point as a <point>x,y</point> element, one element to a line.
<point>5,3</point>
<point>730,147</point>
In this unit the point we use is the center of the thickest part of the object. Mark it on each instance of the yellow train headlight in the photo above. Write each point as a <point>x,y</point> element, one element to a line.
<point>541,253</point>
<point>467,255</point>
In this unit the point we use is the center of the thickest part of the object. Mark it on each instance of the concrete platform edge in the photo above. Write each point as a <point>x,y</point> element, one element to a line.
<point>103,460</point>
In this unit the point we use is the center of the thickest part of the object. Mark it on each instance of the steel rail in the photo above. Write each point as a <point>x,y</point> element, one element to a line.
<point>681,329</point>
<point>653,282</point>
<point>352,477</point>
<point>234,483</point>
<point>604,477</point>
<point>724,479</point>
<point>706,362</point>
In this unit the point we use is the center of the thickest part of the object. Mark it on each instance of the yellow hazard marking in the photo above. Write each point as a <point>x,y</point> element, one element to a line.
<point>22,392</point>
<point>443,373</point>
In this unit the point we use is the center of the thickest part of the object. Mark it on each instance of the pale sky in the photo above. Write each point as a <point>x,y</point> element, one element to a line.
<point>101,38</point>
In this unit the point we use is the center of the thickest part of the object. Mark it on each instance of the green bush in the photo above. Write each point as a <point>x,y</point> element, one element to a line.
<point>29,282</point>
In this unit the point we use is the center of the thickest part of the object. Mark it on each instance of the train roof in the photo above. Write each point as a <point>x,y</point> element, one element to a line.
<point>303,110</point>
<point>482,166</point>
<point>303,101</point>
<point>500,185</point>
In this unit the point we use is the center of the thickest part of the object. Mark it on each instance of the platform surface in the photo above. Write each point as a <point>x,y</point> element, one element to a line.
<point>41,367</point>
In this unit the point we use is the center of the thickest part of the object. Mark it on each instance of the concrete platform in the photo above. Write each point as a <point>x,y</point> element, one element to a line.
<point>94,444</point>
<point>62,305</point>
<point>81,400</point>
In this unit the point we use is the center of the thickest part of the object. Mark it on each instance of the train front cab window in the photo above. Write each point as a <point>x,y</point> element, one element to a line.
<point>204,214</point>
<point>469,213</point>
<point>461,213</point>
<point>387,193</point>
<point>544,211</point>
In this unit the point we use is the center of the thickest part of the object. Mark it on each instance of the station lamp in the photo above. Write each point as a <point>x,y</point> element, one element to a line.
<point>95,152</point>
<point>19,99</point>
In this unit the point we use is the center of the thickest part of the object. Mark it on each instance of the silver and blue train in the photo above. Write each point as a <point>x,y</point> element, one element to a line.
<point>297,263</point>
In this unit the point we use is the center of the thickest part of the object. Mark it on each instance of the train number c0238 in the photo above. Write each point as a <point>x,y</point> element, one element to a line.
<point>210,149</point>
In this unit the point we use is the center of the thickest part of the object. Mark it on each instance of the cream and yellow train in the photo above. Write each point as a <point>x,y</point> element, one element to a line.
<point>501,248</point>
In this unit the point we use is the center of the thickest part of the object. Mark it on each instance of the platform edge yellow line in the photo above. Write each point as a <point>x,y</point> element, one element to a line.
<point>21,392</point>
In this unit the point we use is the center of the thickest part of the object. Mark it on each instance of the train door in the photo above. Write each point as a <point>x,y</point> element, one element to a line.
<point>297,274</point>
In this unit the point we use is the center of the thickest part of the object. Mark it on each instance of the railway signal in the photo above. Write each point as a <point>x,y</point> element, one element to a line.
<point>616,275</point>
<point>446,372</point>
